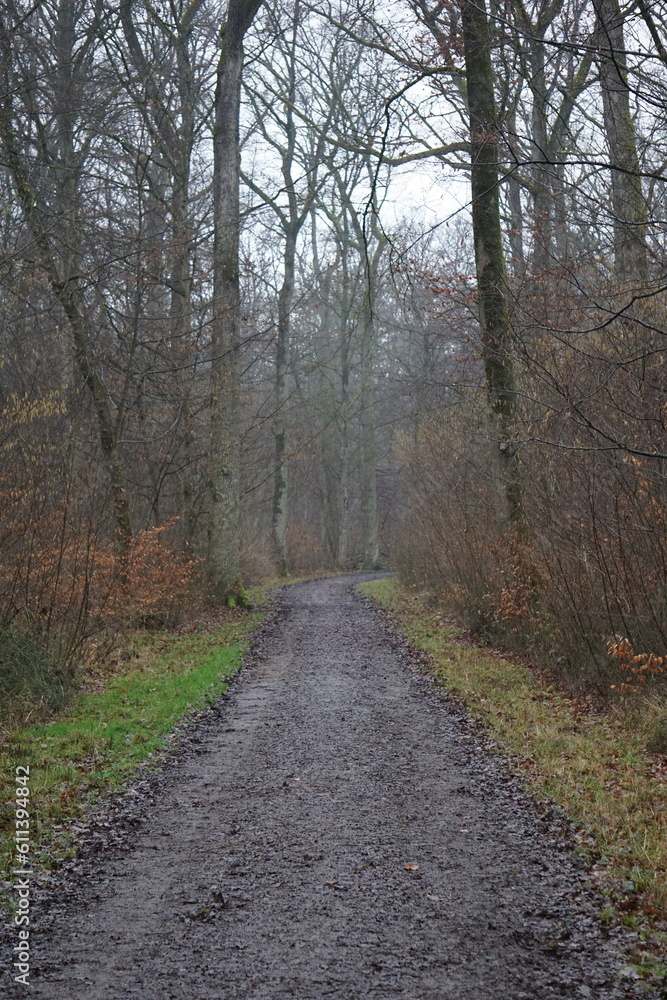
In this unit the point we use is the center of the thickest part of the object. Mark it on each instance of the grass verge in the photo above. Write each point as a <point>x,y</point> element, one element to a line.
<point>592,766</point>
<point>97,745</point>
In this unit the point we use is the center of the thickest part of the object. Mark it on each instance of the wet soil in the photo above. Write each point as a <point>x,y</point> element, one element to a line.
<point>332,828</point>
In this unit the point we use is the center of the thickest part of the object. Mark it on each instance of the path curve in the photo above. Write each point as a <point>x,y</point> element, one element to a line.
<point>272,865</point>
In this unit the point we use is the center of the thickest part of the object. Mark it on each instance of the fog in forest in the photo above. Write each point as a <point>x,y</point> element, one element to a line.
<point>314,287</point>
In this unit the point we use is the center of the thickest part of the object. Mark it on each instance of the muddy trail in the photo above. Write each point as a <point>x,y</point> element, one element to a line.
<point>332,830</point>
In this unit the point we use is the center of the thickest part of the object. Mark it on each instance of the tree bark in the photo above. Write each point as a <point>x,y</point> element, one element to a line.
<point>280,482</point>
<point>343,497</point>
<point>628,203</point>
<point>489,254</point>
<point>369,503</point>
<point>542,154</point>
<point>368,463</point>
<point>518,261</point>
<point>224,471</point>
<point>291,224</point>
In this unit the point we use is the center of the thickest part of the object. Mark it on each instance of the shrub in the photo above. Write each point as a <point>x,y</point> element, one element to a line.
<point>588,565</point>
<point>148,586</point>
<point>639,667</point>
<point>33,682</point>
<point>657,737</point>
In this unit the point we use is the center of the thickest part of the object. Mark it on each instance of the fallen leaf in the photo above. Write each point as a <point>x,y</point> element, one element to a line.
<point>411,868</point>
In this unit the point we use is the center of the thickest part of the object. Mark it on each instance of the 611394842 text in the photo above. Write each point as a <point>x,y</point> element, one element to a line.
<point>22,872</point>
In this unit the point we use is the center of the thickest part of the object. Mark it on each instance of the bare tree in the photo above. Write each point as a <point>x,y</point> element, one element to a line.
<point>43,117</point>
<point>630,215</point>
<point>276,87</point>
<point>223,552</point>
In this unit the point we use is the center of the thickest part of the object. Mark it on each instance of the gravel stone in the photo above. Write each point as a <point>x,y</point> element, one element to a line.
<point>333,828</point>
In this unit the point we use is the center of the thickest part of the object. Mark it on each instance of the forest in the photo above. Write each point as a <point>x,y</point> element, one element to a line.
<point>328,286</point>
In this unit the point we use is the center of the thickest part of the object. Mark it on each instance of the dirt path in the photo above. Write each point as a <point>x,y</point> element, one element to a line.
<point>272,863</point>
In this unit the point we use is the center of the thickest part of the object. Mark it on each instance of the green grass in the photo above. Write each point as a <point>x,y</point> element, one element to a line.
<point>592,765</point>
<point>98,744</point>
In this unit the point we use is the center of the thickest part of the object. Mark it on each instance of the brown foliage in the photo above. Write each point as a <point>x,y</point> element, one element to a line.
<point>639,666</point>
<point>590,563</point>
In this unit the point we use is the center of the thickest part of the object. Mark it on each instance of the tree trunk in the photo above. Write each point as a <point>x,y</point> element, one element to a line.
<point>224,472</point>
<point>489,255</point>
<point>368,464</point>
<point>344,452</point>
<point>175,142</point>
<point>280,482</point>
<point>369,504</point>
<point>515,208</point>
<point>543,255</point>
<point>342,421</point>
<point>628,203</point>
<point>180,317</point>
<point>291,224</point>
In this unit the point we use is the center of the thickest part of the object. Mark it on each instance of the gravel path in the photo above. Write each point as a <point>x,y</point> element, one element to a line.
<point>334,833</point>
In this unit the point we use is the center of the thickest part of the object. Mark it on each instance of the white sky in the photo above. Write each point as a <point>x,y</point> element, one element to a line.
<point>424,195</point>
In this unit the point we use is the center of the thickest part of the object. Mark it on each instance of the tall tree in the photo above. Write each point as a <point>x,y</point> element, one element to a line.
<point>276,88</point>
<point>224,472</point>
<point>630,215</point>
<point>489,253</point>
<point>163,70</point>
<point>41,125</point>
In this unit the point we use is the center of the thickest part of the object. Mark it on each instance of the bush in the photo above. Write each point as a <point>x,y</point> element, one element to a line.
<point>32,680</point>
<point>587,570</point>
<point>65,596</point>
<point>657,738</point>
<point>149,586</point>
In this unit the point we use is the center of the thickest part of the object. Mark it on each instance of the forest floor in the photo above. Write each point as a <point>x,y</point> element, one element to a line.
<point>334,827</point>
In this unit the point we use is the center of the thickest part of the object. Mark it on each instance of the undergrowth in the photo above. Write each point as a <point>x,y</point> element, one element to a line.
<point>97,745</point>
<point>32,680</point>
<point>593,766</point>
